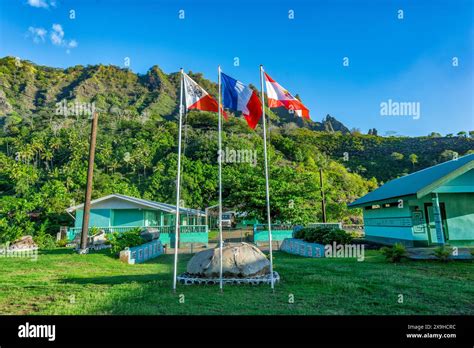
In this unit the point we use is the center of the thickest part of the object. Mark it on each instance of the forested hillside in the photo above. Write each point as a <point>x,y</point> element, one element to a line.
<point>43,151</point>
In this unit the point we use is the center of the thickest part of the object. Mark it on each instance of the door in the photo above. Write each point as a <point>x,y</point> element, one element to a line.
<point>430,222</point>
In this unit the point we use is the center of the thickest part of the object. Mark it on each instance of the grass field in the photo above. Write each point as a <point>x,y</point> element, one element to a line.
<point>61,282</point>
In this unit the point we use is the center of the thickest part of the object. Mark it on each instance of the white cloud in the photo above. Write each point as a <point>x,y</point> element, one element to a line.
<point>37,34</point>
<point>42,3</point>
<point>38,3</point>
<point>72,44</point>
<point>57,35</point>
<point>57,38</point>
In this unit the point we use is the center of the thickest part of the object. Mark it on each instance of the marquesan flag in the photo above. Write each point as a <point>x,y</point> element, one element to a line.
<point>237,96</point>
<point>278,96</point>
<point>197,98</point>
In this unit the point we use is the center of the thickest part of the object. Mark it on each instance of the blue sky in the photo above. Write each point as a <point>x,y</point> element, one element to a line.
<point>405,60</point>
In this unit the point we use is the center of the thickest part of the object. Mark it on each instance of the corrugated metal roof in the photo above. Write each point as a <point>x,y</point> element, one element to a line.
<point>411,184</point>
<point>156,205</point>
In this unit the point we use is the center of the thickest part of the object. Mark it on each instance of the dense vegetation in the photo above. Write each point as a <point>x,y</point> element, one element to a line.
<point>324,235</point>
<point>43,153</point>
<point>127,239</point>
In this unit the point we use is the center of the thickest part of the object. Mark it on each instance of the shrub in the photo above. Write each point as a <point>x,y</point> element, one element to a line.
<point>94,230</point>
<point>45,241</point>
<point>442,253</point>
<point>120,241</point>
<point>323,235</point>
<point>300,234</point>
<point>42,238</point>
<point>62,243</point>
<point>394,253</point>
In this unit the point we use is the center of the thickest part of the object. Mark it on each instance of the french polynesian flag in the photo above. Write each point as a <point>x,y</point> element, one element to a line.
<point>197,98</point>
<point>278,96</point>
<point>237,96</point>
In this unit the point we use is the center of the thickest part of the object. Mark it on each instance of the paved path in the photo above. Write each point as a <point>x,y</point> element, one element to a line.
<point>428,254</point>
<point>187,249</point>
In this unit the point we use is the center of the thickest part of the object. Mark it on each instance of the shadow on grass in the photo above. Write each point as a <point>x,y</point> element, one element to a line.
<point>71,251</point>
<point>133,278</point>
<point>58,251</point>
<point>115,280</point>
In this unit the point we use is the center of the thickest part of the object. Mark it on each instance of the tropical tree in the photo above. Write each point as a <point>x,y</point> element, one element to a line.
<point>413,159</point>
<point>448,155</point>
<point>397,156</point>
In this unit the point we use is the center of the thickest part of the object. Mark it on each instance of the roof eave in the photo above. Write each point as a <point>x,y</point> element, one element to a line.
<point>139,201</point>
<point>114,195</point>
<point>75,207</point>
<point>441,181</point>
<point>382,201</point>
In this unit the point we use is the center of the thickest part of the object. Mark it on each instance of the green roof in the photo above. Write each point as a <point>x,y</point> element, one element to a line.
<point>419,183</point>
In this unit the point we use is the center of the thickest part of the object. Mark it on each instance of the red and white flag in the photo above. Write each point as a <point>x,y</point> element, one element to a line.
<point>278,96</point>
<point>197,98</point>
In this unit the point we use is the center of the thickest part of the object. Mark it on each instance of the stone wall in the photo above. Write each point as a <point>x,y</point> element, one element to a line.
<point>302,248</point>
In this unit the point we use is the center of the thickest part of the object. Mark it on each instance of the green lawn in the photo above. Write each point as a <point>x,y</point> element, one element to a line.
<point>213,234</point>
<point>61,282</point>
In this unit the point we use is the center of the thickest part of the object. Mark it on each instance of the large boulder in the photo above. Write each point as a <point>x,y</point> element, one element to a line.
<point>24,243</point>
<point>150,234</point>
<point>240,260</point>
<point>98,238</point>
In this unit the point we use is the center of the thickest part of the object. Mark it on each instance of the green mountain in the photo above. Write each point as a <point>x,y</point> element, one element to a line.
<point>44,134</point>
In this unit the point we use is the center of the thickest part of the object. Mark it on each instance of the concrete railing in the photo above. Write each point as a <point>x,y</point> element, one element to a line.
<point>142,253</point>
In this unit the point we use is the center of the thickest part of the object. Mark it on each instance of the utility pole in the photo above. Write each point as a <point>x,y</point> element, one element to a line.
<point>90,172</point>
<point>323,202</point>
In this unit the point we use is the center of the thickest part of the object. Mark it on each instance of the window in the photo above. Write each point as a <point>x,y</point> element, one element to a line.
<point>390,205</point>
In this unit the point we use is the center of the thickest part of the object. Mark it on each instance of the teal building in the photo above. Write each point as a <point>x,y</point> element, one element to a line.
<point>119,213</point>
<point>433,206</point>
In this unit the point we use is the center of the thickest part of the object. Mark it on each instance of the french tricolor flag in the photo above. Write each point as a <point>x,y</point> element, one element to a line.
<point>236,96</point>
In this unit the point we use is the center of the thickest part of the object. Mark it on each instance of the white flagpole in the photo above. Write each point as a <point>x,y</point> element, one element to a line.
<point>219,156</point>
<point>266,178</point>
<point>178,183</point>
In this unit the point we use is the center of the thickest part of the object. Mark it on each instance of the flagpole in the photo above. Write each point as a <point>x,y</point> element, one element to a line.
<point>219,122</point>
<point>266,177</point>
<point>178,182</point>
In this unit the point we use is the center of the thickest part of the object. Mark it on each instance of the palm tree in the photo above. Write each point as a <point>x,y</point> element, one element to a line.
<point>413,159</point>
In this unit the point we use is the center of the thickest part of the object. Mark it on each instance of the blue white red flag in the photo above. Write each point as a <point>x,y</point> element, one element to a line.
<point>236,96</point>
